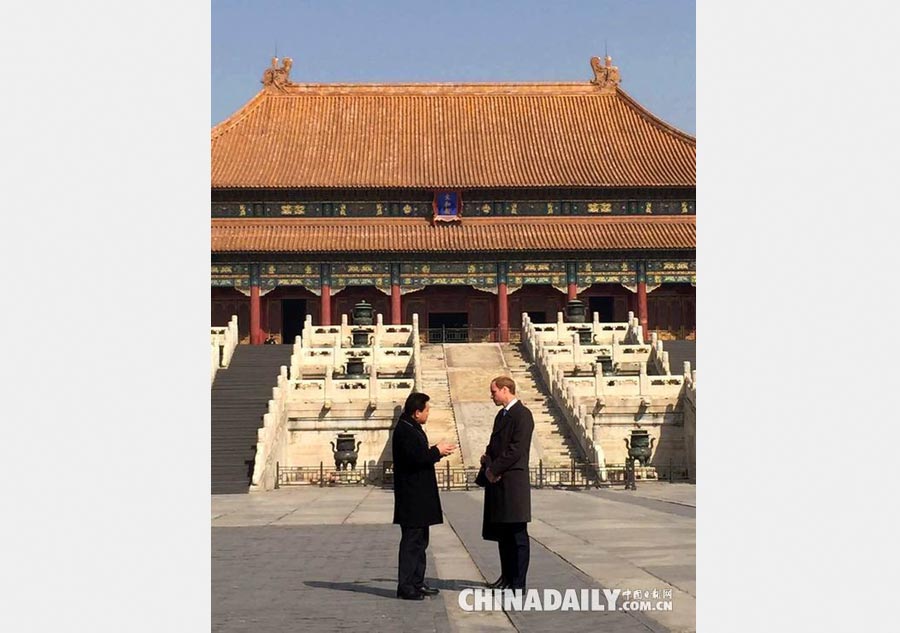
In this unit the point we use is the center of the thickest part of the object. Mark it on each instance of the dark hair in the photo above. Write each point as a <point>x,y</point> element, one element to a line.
<point>415,402</point>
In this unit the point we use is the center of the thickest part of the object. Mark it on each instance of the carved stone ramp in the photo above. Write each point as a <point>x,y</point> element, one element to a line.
<point>470,369</point>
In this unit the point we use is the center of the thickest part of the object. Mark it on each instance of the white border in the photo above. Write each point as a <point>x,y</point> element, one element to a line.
<point>105,243</point>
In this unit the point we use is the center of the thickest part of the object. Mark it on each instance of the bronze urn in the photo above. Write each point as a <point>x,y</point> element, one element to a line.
<point>345,453</point>
<point>362,315</point>
<point>355,367</point>
<point>576,312</point>
<point>641,446</point>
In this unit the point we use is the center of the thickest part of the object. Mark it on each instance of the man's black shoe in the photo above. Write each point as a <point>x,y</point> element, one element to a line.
<point>418,595</point>
<point>497,584</point>
<point>429,591</point>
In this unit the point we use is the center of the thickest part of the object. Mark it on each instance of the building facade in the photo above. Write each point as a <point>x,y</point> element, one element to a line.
<point>465,203</point>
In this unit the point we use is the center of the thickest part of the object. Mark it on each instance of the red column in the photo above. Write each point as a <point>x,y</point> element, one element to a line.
<point>642,308</point>
<point>502,313</point>
<point>325,277</point>
<point>326,305</point>
<point>572,281</point>
<point>396,313</point>
<point>255,335</point>
<point>502,305</point>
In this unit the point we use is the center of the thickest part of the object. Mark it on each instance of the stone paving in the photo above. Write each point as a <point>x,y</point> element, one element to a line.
<point>313,578</point>
<point>325,559</point>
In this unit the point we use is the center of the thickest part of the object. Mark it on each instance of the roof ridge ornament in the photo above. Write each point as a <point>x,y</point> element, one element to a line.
<point>606,77</point>
<point>277,78</point>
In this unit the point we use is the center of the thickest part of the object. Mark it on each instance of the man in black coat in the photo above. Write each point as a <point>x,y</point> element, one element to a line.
<point>416,501</point>
<point>507,496</point>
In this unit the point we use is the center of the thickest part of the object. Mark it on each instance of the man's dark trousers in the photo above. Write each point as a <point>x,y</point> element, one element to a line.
<point>411,570</point>
<point>515,552</point>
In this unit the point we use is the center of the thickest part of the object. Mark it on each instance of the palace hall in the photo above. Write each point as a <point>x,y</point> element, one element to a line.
<point>465,203</point>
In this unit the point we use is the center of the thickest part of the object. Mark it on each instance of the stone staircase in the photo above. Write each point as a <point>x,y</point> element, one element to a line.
<point>441,423</point>
<point>679,352</point>
<point>239,398</point>
<point>552,438</point>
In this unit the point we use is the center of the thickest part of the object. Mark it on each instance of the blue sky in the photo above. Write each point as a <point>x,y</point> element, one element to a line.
<point>651,41</point>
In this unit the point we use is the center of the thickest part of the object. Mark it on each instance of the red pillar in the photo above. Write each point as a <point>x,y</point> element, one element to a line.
<point>642,308</point>
<point>396,314</point>
<point>326,305</point>
<point>572,281</point>
<point>502,305</point>
<point>325,278</point>
<point>255,335</point>
<point>502,313</point>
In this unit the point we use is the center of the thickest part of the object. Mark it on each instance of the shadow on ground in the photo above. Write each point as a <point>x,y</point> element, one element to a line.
<point>363,586</point>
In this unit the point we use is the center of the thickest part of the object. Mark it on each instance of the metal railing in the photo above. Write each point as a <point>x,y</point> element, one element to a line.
<point>574,476</point>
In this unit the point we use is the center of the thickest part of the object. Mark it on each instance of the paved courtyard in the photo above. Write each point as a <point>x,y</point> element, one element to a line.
<point>325,559</point>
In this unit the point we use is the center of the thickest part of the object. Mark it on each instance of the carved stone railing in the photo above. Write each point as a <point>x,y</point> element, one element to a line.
<point>690,420</point>
<point>391,349</point>
<point>223,340</point>
<point>323,393</point>
<point>417,353</point>
<point>342,335</point>
<point>367,391</point>
<point>578,420</point>
<point>271,437</point>
<point>561,332</point>
<point>639,378</point>
<point>313,386</point>
<point>658,363</point>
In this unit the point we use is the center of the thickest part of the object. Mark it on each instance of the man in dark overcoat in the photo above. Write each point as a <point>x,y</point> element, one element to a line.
<point>507,495</point>
<point>416,501</point>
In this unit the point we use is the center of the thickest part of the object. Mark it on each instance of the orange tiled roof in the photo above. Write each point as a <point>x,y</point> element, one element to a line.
<point>448,136</point>
<point>373,235</point>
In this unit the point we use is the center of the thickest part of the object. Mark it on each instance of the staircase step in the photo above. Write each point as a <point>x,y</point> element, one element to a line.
<point>240,397</point>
